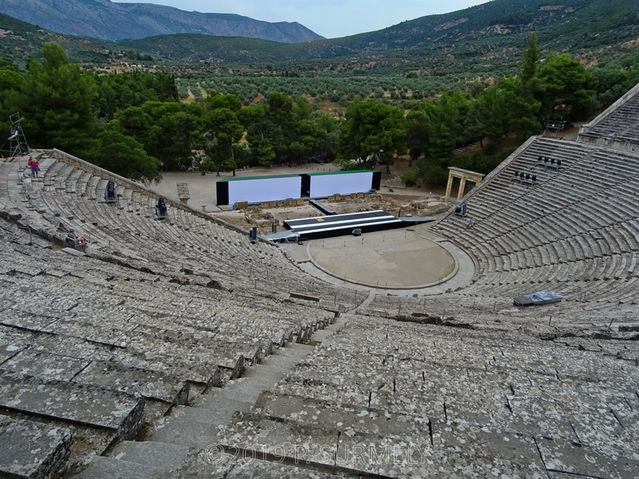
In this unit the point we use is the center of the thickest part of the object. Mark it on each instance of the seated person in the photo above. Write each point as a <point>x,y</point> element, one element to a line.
<point>76,238</point>
<point>161,207</point>
<point>470,224</point>
<point>110,191</point>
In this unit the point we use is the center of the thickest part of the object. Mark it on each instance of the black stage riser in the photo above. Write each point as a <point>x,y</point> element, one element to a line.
<point>349,229</point>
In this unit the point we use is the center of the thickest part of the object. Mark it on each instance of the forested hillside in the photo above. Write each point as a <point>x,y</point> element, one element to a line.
<point>133,123</point>
<point>481,39</point>
<point>490,76</point>
<point>22,42</point>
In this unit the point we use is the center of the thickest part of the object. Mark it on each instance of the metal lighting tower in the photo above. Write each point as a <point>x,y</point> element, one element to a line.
<point>18,145</point>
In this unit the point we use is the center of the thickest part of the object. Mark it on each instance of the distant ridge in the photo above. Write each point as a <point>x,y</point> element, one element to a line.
<point>490,33</point>
<point>107,20</point>
<point>486,39</point>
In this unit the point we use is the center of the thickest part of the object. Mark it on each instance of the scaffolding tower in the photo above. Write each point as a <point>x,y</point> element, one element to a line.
<point>18,145</point>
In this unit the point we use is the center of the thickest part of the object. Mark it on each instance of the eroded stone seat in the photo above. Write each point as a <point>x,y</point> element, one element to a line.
<point>31,449</point>
<point>64,401</point>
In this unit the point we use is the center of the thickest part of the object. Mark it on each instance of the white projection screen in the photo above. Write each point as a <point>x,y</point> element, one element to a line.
<point>341,183</point>
<point>257,190</point>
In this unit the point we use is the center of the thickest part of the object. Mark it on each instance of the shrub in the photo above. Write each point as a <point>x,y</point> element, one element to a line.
<point>410,178</point>
<point>431,173</point>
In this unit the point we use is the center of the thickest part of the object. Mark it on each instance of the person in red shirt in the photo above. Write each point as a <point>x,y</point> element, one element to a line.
<point>35,168</point>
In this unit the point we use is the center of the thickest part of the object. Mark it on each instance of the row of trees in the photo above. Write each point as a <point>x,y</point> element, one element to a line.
<point>559,89</point>
<point>134,125</point>
<point>66,108</point>
<point>218,134</point>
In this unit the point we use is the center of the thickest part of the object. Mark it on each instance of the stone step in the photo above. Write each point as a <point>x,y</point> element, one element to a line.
<point>150,384</point>
<point>181,368</point>
<point>578,459</point>
<point>351,452</point>
<point>216,411</point>
<point>32,449</point>
<point>237,465</point>
<point>486,441</point>
<point>189,425</point>
<point>218,354</point>
<point>43,365</point>
<point>161,455</point>
<point>109,468</point>
<point>85,405</point>
<point>281,439</point>
<point>312,412</point>
<point>181,429</point>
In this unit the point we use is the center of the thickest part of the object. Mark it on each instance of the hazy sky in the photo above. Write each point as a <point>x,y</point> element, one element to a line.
<point>329,18</point>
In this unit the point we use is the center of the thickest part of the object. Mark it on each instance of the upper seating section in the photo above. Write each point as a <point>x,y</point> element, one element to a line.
<point>122,223</point>
<point>574,231</point>
<point>618,126</point>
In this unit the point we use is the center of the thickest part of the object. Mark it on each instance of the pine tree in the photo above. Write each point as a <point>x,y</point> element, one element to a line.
<point>531,57</point>
<point>60,101</point>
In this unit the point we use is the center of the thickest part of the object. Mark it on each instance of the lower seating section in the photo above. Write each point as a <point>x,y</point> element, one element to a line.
<point>595,326</point>
<point>93,350</point>
<point>575,232</point>
<point>405,400</point>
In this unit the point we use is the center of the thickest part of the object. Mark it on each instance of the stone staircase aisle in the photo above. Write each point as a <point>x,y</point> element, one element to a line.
<point>185,444</point>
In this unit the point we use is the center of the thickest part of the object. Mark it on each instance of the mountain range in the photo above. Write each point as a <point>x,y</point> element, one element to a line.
<point>483,38</point>
<point>489,34</point>
<point>106,20</point>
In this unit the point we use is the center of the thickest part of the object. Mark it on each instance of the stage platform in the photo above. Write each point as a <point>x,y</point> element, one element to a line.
<point>343,224</point>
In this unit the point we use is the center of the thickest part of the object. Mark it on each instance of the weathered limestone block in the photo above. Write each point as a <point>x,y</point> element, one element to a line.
<point>159,454</point>
<point>342,418</point>
<point>85,405</point>
<point>390,457</point>
<point>150,384</point>
<point>109,468</point>
<point>481,442</point>
<point>8,350</point>
<point>576,458</point>
<point>277,439</point>
<point>44,366</point>
<point>32,450</point>
<point>249,467</point>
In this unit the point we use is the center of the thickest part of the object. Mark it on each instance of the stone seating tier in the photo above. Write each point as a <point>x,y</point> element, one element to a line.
<point>109,334</point>
<point>130,223</point>
<point>620,121</point>
<point>381,384</point>
<point>522,232</point>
